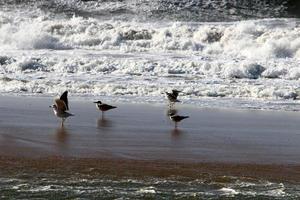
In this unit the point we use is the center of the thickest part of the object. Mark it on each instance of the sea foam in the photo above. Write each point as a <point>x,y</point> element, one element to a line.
<point>252,60</point>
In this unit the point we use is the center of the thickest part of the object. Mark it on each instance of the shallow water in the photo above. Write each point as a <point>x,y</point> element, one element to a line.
<point>52,187</point>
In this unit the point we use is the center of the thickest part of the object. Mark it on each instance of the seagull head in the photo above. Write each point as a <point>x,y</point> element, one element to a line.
<point>98,102</point>
<point>53,106</point>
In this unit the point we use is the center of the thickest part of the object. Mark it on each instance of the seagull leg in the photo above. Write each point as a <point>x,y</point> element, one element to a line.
<point>62,122</point>
<point>175,125</point>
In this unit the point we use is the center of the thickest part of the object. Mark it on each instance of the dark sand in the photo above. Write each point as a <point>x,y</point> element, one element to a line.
<point>139,140</point>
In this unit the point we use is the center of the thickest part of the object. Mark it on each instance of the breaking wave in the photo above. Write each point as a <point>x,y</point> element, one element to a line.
<point>45,52</point>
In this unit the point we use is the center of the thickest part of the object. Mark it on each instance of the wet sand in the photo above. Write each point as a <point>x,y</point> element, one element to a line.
<point>117,168</point>
<point>140,140</point>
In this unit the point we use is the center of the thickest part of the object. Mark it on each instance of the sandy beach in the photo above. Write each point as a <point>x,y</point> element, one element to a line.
<point>28,128</point>
<point>222,148</point>
<point>137,132</point>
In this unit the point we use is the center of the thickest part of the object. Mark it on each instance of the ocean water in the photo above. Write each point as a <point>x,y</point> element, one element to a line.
<point>219,53</point>
<point>54,187</point>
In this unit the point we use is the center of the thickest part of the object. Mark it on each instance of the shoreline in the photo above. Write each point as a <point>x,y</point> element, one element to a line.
<point>208,103</point>
<point>91,168</point>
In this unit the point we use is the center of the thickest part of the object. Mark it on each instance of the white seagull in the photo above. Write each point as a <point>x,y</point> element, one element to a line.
<point>61,106</point>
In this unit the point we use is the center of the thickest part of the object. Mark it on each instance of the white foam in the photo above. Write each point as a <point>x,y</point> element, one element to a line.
<point>85,74</point>
<point>42,188</point>
<point>276,192</point>
<point>249,60</point>
<point>228,192</point>
<point>251,39</point>
<point>147,190</point>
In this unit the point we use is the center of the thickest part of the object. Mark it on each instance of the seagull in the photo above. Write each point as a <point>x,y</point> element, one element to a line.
<point>177,118</point>
<point>172,97</point>
<point>61,106</point>
<point>103,107</point>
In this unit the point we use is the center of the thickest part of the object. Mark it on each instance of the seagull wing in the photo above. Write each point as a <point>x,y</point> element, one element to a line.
<point>170,95</point>
<point>64,98</point>
<point>109,106</point>
<point>61,105</point>
<point>175,93</point>
<point>178,118</point>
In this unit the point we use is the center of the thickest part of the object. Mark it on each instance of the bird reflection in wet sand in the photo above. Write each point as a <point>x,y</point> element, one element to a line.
<point>176,133</point>
<point>61,135</point>
<point>104,123</point>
